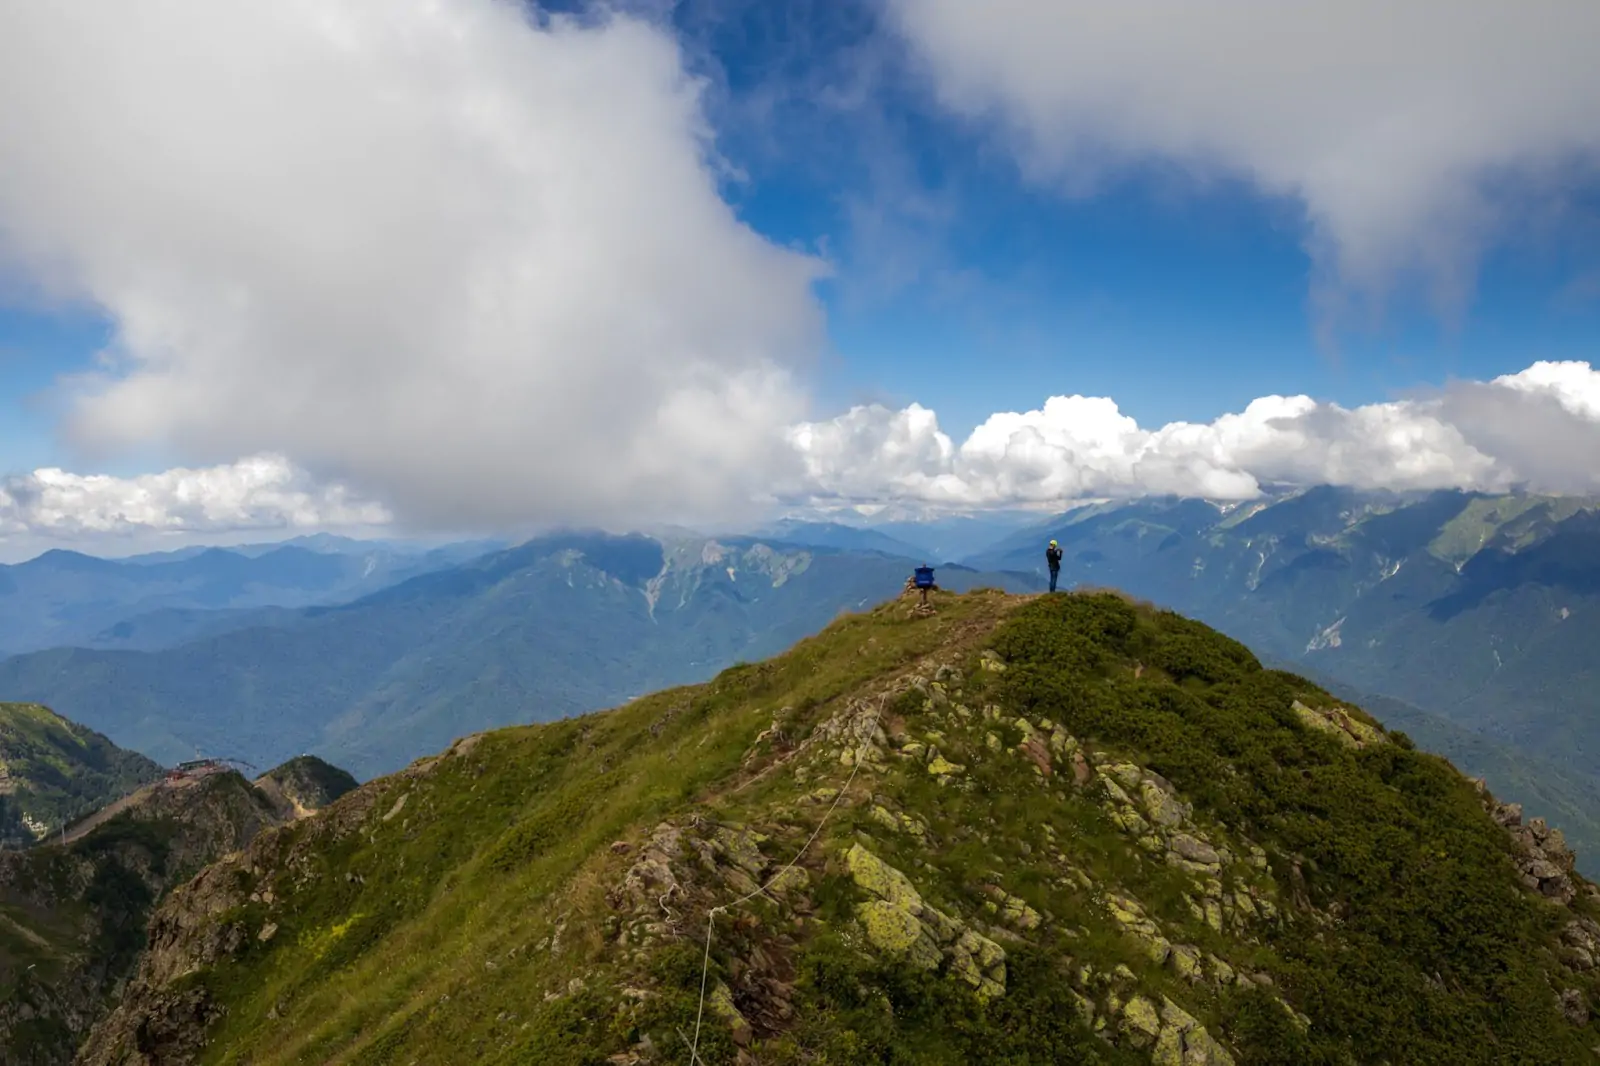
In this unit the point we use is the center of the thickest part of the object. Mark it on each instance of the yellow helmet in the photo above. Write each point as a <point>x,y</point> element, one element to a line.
<point>1052,544</point>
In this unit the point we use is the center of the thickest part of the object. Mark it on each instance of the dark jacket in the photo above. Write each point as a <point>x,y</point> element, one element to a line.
<point>1053,557</point>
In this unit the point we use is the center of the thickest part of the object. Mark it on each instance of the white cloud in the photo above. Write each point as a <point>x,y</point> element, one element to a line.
<point>1403,128</point>
<point>1539,428</point>
<point>264,493</point>
<point>470,265</point>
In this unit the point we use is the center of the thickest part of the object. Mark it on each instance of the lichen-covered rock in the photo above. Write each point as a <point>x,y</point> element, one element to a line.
<point>894,930</point>
<point>1164,809</point>
<point>1168,1050</point>
<point>1339,724</point>
<point>1140,1021</point>
<point>980,962</point>
<point>1114,791</point>
<point>1200,1048</point>
<point>882,880</point>
<point>899,922</point>
<point>1013,909</point>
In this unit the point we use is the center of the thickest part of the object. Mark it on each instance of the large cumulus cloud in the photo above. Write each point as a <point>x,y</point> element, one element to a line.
<point>1411,132</point>
<point>472,262</point>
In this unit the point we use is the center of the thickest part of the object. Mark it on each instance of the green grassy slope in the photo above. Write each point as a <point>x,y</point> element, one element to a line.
<point>1483,610</point>
<point>1072,830</point>
<point>1556,792</point>
<point>53,770</point>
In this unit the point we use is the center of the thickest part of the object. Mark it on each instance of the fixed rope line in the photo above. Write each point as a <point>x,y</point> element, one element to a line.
<point>711,915</point>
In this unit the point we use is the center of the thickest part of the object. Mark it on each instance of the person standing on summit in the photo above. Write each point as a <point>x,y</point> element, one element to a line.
<point>1052,555</point>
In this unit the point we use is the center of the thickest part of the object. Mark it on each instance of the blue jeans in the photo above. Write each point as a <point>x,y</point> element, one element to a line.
<point>1054,573</point>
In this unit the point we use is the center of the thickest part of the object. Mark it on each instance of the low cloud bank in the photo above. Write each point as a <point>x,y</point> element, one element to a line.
<point>1538,429</point>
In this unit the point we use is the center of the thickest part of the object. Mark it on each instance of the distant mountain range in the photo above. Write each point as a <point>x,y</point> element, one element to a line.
<point>843,537</point>
<point>65,598</point>
<point>560,625</point>
<point>935,537</point>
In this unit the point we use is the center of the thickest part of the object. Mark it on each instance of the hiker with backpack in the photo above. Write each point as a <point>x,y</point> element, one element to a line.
<point>1052,555</point>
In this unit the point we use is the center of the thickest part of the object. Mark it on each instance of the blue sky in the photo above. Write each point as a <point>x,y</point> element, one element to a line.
<point>1180,302</point>
<point>973,276</point>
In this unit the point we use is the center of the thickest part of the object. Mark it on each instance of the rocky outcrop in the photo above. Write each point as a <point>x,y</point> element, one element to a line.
<point>1543,859</point>
<point>1172,1035</point>
<point>677,875</point>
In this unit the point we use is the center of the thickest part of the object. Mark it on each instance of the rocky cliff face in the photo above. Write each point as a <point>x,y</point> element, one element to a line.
<point>76,912</point>
<point>1064,829</point>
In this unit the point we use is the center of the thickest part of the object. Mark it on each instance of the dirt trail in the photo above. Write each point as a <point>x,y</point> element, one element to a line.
<point>132,799</point>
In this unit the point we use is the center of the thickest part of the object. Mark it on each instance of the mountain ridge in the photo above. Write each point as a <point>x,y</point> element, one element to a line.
<point>1021,830</point>
<point>74,909</point>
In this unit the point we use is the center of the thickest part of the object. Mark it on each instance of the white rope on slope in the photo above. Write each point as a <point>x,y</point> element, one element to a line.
<point>711,915</point>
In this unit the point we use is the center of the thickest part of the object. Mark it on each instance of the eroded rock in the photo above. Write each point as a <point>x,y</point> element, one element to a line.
<point>1544,861</point>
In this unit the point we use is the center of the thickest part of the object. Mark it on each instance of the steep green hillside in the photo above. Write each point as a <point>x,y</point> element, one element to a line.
<point>73,916</point>
<point>1484,610</point>
<point>558,626</point>
<point>1561,794</point>
<point>1056,830</point>
<point>53,770</point>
